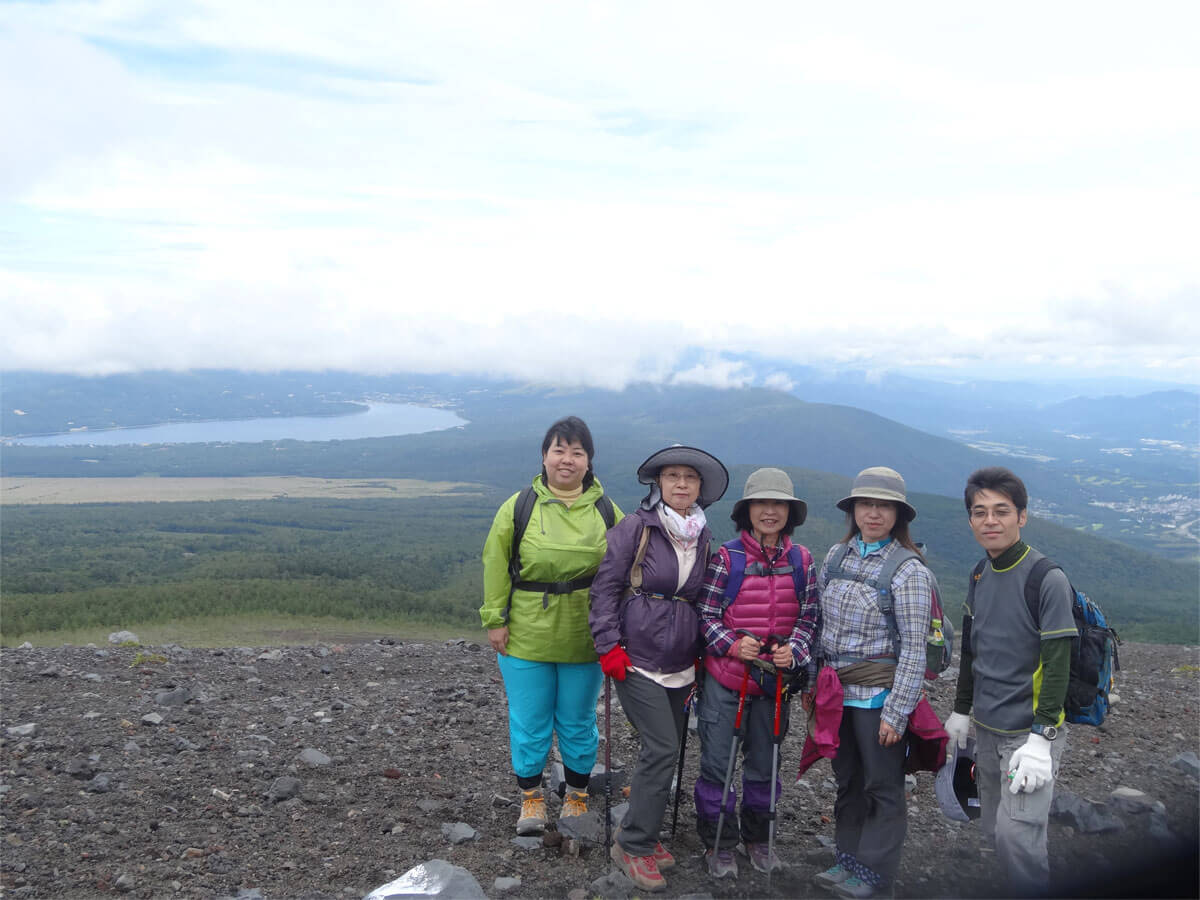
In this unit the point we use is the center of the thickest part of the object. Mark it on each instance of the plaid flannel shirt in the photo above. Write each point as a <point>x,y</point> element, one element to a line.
<point>854,628</point>
<point>712,603</point>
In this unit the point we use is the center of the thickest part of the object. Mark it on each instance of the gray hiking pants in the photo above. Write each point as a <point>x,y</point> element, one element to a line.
<point>657,714</point>
<point>871,812</point>
<point>1017,823</point>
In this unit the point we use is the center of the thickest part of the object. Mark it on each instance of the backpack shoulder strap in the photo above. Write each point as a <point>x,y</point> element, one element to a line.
<point>800,560</point>
<point>522,511</point>
<point>639,556</point>
<point>1033,587</point>
<point>883,581</point>
<point>885,596</point>
<point>604,506</point>
<point>836,562</point>
<point>971,582</point>
<point>735,550</point>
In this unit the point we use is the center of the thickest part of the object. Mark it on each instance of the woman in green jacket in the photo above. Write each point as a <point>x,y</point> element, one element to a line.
<point>535,609</point>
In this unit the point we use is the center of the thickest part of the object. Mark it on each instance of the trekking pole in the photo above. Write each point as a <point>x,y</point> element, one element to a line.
<point>682,752</point>
<point>738,731</point>
<point>776,740</point>
<point>607,763</point>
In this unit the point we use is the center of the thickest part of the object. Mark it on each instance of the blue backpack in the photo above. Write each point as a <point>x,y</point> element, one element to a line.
<point>1094,656</point>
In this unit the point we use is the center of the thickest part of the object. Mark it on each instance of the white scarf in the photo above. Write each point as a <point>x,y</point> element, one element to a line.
<point>684,530</point>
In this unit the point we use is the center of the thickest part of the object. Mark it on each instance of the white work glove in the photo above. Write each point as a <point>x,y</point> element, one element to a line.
<point>957,726</point>
<point>1030,766</point>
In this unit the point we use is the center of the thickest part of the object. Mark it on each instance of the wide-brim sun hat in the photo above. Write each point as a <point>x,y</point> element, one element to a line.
<point>879,483</point>
<point>714,477</point>
<point>771,484</point>
<point>955,788</point>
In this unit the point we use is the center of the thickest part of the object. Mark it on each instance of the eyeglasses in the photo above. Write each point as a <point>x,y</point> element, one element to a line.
<point>979,513</point>
<point>686,477</point>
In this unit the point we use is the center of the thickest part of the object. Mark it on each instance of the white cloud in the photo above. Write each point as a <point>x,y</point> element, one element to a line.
<point>779,381</point>
<point>419,186</point>
<point>718,373</point>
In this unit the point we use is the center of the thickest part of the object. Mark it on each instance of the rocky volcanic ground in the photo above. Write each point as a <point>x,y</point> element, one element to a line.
<point>328,771</point>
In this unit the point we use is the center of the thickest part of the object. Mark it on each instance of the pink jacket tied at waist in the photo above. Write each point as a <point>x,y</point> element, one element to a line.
<point>925,738</point>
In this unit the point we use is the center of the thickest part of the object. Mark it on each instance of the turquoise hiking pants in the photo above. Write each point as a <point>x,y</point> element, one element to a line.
<point>545,699</point>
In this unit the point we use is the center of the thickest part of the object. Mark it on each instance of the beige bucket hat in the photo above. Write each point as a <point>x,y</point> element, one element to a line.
<point>879,483</point>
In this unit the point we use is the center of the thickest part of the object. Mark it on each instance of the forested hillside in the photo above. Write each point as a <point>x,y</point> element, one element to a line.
<point>117,564</point>
<point>114,565</point>
<point>506,419</point>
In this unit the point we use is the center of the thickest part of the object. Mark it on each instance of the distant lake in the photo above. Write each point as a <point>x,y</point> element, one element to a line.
<point>379,420</point>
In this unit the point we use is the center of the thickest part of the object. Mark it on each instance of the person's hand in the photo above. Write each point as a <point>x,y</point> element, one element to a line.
<point>806,701</point>
<point>957,727</point>
<point>887,734</point>
<point>745,648</point>
<point>615,662</point>
<point>1030,767</point>
<point>782,656</point>
<point>498,638</point>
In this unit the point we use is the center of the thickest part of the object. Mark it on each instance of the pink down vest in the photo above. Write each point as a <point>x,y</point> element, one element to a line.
<point>765,605</point>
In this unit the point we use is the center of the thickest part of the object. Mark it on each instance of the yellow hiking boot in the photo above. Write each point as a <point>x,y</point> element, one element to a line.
<point>533,812</point>
<point>574,803</point>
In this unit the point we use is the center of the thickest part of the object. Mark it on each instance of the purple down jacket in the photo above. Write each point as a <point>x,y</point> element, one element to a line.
<point>658,627</point>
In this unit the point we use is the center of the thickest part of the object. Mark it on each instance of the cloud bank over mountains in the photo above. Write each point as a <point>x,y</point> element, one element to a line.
<point>593,193</point>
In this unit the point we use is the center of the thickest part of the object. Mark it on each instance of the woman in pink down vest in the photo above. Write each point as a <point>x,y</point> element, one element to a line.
<point>772,616</point>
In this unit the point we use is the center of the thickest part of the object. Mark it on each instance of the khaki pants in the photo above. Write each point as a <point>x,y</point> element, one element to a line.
<point>1016,823</point>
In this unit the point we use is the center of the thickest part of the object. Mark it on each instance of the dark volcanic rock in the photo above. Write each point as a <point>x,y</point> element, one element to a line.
<point>120,789</point>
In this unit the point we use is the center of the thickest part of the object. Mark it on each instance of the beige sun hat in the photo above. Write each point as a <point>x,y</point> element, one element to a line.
<point>771,484</point>
<point>879,483</point>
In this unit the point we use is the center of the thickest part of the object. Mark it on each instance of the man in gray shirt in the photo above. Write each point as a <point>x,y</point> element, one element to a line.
<point>1013,675</point>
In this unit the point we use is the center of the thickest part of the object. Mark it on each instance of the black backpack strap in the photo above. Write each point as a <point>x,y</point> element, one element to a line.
<point>522,511</point>
<point>975,573</point>
<point>964,639</point>
<point>604,506</point>
<point>1033,588</point>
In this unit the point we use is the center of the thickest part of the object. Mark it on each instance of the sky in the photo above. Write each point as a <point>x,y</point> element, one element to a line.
<point>601,192</point>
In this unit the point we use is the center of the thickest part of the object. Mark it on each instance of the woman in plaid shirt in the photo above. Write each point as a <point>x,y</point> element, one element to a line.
<point>881,688</point>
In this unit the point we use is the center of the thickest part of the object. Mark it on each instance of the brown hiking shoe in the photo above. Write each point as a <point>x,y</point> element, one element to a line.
<point>533,812</point>
<point>641,870</point>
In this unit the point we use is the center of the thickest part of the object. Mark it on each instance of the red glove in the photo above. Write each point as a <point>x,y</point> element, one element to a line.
<point>615,662</point>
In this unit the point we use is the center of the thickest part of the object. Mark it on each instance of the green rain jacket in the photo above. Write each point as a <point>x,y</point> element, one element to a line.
<point>560,543</point>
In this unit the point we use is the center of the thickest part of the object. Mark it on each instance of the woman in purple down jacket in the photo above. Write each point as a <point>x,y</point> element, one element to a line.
<point>647,633</point>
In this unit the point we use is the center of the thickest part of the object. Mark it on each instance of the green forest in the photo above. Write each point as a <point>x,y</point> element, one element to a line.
<point>497,447</point>
<point>117,565</point>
